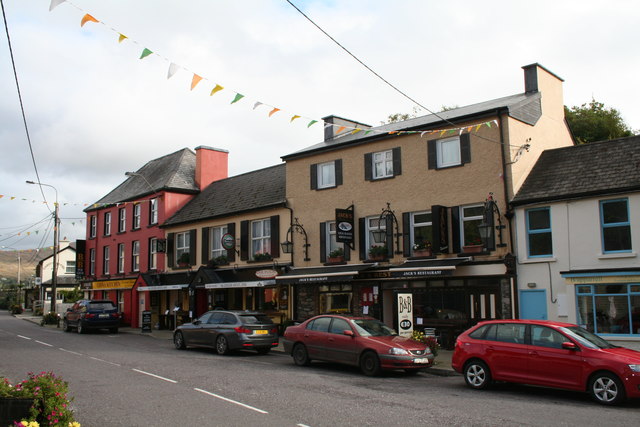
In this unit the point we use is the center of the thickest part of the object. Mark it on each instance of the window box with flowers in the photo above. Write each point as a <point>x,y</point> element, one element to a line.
<point>336,255</point>
<point>183,260</point>
<point>378,253</point>
<point>422,249</point>
<point>265,256</point>
<point>474,245</point>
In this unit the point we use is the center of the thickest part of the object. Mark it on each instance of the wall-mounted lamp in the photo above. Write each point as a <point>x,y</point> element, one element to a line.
<point>380,235</point>
<point>287,245</point>
<point>487,225</point>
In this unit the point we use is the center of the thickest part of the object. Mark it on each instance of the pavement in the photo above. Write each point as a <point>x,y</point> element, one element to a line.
<point>441,367</point>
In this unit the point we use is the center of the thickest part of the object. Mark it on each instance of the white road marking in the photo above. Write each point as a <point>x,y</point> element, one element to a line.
<point>72,352</point>
<point>155,376</point>
<point>302,425</point>
<point>43,343</point>
<point>231,401</point>
<point>105,361</point>
<point>26,338</point>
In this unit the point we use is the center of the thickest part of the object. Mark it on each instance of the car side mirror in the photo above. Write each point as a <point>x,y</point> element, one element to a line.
<point>196,322</point>
<point>569,346</point>
<point>348,333</point>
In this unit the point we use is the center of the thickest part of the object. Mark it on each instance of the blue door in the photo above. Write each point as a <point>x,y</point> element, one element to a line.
<point>533,304</point>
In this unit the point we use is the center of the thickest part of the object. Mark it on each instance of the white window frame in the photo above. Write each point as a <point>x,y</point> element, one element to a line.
<point>382,164</point>
<point>121,253</point>
<point>106,255</point>
<point>122,220</point>
<point>135,255</point>
<point>216,241</point>
<point>92,262</point>
<point>107,223</point>
<point>153,253</point>
<point>70,267</point>
<point>449,146</point>
<point>373,224</point>
<point>183,245</point>
<point>137,212</point>
<point>261,236</point>
<point>328,180</point>
<point>153,211</point>
<point>331,242</point>
<point>415,224</point>
<point>93,224</point>
<point>464,219</point>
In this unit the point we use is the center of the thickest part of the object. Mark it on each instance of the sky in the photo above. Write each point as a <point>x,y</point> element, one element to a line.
<point>95,110</point>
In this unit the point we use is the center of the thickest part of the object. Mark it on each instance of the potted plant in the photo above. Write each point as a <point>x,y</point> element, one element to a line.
<point>422,249</point>
<point>474,245</point>
<point>265,256</point>
<point>336,255</point>
<point>429,340</point>
<point>183,260</point>
<point>378,253</point>
<point>219,260</point>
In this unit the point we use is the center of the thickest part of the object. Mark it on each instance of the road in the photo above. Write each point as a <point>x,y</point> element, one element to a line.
<point>138,380</point>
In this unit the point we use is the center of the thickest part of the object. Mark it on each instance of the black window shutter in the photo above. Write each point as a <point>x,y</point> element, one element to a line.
<point>491,242</point>
<point>347,252</point>
<point>432,154</point>
<point>275,236</point>
<point>390,241</point>
<point>231,253</point>
<point>205,245</point>
<point>244,240</point>
<point>170,248</point>
<point>406,237</point>
<point>440,227</point>
<point>362,242</point>
<point>193,235</point>
<point>368,173</point>
<point>323,242</point>
<point>313,176</point>
<point>455,228</point>
<point>397,163</point>
<point>338,169</point>
<point>465,148</point>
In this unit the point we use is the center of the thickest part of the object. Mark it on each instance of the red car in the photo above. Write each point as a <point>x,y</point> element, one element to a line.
<point>359,341</point>
<point>549,354</point>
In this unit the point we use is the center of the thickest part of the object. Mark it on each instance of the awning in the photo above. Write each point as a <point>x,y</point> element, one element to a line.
<point>418,269</point>
<point>162,288</point>
<point>327,274</point>
<point>252,284</point>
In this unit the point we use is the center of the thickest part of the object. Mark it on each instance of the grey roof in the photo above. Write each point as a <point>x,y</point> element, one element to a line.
<point>173,172</point>
<point>259,189</point>
<point>597,168</point>
<point>525,107</point>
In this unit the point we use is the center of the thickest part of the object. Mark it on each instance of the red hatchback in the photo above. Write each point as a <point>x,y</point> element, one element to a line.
<point>359,341</point>
<point>549,354</point>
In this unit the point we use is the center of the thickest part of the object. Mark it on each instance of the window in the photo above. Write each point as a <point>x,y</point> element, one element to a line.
<point>507,332</point>
<point>135,256</point>
<point>471,218</point>
<point>609,308</point>
<point>153,211</point>
<point>382,164</point>
<point>121,258</point>
<point>449,152</point>
<point>92,262</point>
<point>616,229</point>
<point>122,220</point>
<point>92,226</point>
<point>539,232</point>
<point>336,298</point>
<point>153,253</point>
<point>330,238</point>
<point>216,241</point>
<point>136,215</point>
<point>183,248</point>
<point>421,228</point>
<point>338,326</point>
<point>70,268</point>
<point>326,175</point>
<point>542,336</point>
<point>374,224</point>
<point>321,324</point>
<point>105,260</point>
<point>261,237</point>
<point>107,223</point>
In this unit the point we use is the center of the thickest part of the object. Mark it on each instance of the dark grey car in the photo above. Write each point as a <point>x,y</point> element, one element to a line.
<point>227,331</point>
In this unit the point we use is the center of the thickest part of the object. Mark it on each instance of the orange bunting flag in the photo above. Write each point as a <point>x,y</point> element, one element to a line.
<point>218,88</point>
<point>275,110</point>
<point>86,18</point>
<point>1,196</point>
<point>121,37</point>
<point>340,129</point>
<point>293,118</point>
<point>146,52</point>
<point>194,82</point>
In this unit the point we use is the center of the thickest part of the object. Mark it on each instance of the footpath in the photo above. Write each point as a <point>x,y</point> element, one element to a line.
<point>441,367</point>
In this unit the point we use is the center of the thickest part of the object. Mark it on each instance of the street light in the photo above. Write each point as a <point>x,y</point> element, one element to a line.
<point>486,226</point>
<point>56,247</point>
<point>141,176</point>
<point>380,235</point>
<point>287,245</point>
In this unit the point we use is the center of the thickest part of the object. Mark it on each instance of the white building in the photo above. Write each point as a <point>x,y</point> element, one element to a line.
<point>66,273</point>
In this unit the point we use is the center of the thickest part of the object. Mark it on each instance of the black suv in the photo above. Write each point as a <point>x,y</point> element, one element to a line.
<point>92,314</point>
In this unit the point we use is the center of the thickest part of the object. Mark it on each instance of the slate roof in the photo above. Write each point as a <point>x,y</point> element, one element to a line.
<point>263,188</point>
<point>597,168</point>
<point>525,107</point>
<point>173,172</point>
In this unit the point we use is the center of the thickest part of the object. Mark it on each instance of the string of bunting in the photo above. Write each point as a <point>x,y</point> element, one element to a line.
<point>93,205</point>
<point>237,96</point>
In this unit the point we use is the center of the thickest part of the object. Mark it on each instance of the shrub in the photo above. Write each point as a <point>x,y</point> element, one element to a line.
<point>50,318</point>
<point>16,309</point>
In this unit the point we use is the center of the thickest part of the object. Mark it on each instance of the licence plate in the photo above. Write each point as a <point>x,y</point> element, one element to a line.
<point>421,360</point>
<point>102,316</point>
<point>261,332</point>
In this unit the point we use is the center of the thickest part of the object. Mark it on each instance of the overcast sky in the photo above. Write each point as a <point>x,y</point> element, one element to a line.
<point>95,110</point>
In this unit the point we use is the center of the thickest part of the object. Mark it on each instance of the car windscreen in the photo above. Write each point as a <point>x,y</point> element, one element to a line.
<point>586,338</point>
<point>372,328</point>
<point>101,306</point>
<point>255,319</point>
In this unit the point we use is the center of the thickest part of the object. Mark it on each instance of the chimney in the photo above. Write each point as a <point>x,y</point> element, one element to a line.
<point>531,78</point>
<point>212,164</point>
<point>331,132</point>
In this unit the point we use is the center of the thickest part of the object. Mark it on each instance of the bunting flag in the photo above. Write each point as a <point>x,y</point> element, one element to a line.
<point>275,110</point>
<point>87,18</point>
<point>55,3</point>
<point>311,123</point>
<point>146,52</point>
<point>257,104</point>
<point>293,118</point>
<point>238,97</point>
<point>121,37</point>
<point>194,82</point>
<point>218,88</point>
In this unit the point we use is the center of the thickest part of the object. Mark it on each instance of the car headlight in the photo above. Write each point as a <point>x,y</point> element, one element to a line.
<point>635,368</point>
<point>398,351</point>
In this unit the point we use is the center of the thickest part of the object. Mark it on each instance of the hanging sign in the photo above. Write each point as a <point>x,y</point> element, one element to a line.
<point>344,226</point>
<point>405,315</point>
<point>228,241</point>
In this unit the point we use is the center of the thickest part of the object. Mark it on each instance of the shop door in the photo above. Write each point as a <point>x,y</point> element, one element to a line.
<point>484,304</point>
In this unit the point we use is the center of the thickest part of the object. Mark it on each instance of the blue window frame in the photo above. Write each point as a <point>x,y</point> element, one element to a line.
<point>615,226</point>
<point>539,241</point>
<point>609,309</point>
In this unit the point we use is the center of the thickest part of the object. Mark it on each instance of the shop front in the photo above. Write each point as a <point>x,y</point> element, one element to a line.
<point>167,297</point>
<point>120,291</point>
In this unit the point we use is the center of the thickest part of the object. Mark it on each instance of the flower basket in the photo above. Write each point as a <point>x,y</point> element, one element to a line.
<point>14,409</point>
<point>266,256</point>
<point>336,256</point>
<point>472,249</point>
<point>422,253</point>
<point>378,253</point>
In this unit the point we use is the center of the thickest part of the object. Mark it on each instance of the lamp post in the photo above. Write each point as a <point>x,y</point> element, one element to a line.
<point>287,245</point>
<point>380,236</point>
<point>56,244</point>
<point>143,177</point>
<point>486,226</point>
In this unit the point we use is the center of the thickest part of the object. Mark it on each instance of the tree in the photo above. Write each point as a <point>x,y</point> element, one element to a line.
<point>593,122</point>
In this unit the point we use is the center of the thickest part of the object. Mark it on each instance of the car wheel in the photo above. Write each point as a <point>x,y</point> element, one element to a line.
<point>477,375</point>
<point>113,330</point>
<point>606,388</point>
<point>222,345</point>
<point>178,341</point>
<point>264,350</point>
<point>65,326</point>
<point>370,364</point>
<point>300,355</point>
<point>80,328</point>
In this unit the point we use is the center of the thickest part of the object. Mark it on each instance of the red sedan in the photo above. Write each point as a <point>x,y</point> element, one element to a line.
<point>358,341</point>
<point>549,354</point>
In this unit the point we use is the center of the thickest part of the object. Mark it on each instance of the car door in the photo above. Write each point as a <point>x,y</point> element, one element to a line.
<point>340,347</point>
<point>74,314</point>
<point>506,351</point>
<point>551,365</point>
<point>315,337</point>
<point>195,334</point>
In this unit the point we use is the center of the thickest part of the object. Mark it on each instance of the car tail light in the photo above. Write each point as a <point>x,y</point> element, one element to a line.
<point>242,330</point>
<point>274,330</point>
<point>116,315</point>
<point>88,315</point>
